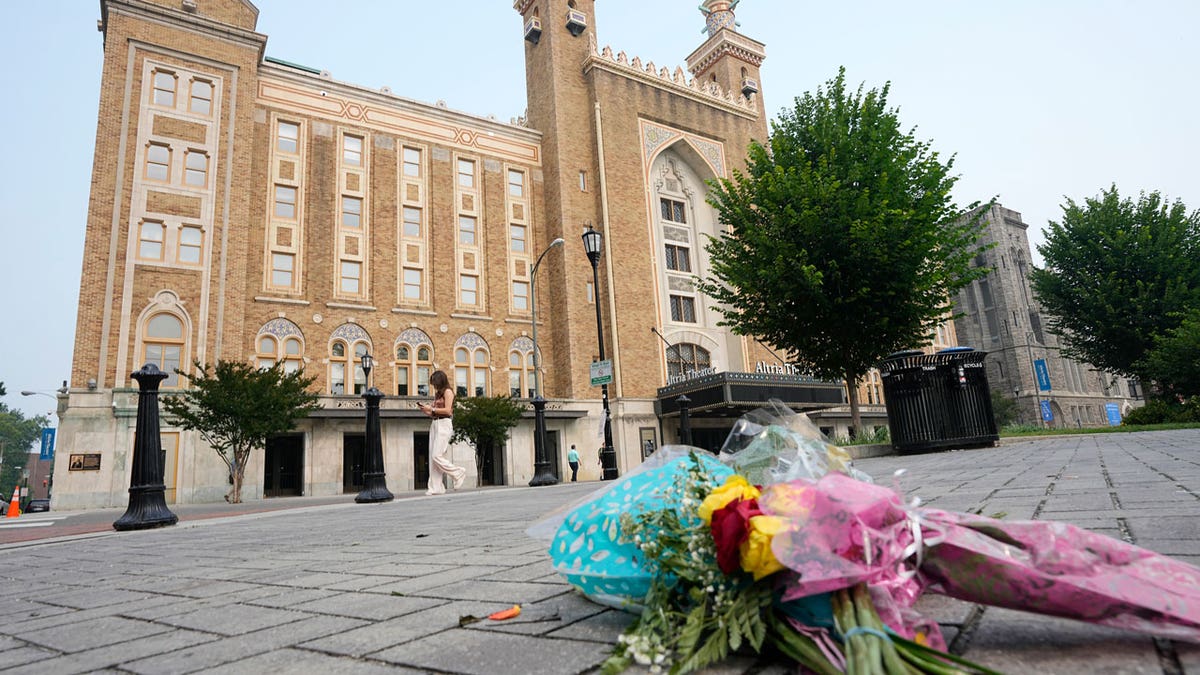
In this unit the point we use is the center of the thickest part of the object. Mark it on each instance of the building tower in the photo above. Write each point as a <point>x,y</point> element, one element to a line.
<point>999,314</point>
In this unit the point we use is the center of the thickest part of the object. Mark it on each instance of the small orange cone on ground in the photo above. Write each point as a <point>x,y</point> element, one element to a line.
<point>14,507</point>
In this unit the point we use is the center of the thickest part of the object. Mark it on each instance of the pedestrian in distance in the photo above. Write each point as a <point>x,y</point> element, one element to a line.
<point>573,461</point>
<point>440,431</point>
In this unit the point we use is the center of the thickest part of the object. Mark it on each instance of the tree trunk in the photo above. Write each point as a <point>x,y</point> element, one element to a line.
<point>855,414</point>
<point>237,472</point>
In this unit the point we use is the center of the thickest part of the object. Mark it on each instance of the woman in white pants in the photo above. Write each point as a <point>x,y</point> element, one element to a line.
<point>440,431</point>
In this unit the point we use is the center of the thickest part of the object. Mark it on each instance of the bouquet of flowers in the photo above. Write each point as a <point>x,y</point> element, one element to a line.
<point>824,566</point>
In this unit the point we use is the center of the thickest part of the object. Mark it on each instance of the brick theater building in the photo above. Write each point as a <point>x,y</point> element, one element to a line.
<point>246,208</point>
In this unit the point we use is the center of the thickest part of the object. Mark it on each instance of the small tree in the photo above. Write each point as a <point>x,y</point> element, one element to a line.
<point>1120,274</point>
<point>238,407</point>
<point>843,243</point>
<point>485,422</point>
<point>17,435</point>
<point>1004,409</point>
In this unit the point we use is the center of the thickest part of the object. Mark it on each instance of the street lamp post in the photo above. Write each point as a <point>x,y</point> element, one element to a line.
<point>592,243</point>
<point>374,478</point>
<point>1036,387</point>
<point>541,463</point>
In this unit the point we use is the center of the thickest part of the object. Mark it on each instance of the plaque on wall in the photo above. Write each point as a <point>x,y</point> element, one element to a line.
<point>85,462</point>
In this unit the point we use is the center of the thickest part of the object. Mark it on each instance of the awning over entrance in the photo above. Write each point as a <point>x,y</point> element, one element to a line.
<point>732,394</point>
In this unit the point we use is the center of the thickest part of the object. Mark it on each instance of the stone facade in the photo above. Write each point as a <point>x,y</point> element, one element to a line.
<point>249,209</point>
<point>1000,315</point>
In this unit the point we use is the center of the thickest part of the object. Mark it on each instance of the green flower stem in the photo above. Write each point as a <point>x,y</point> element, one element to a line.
<point>867,616</point>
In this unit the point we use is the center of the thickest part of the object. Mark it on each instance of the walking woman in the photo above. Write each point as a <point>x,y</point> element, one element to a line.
<point>440,431</point>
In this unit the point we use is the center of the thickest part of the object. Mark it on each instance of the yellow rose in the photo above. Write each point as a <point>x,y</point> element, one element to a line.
<point>757,557</point>
<point>735,488</point>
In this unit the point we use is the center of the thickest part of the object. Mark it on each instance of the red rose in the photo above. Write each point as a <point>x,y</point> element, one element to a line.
<point>731,527</point>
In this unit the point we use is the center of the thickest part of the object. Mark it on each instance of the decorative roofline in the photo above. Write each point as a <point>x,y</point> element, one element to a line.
<point>726,42</point>
<point>709,93</point>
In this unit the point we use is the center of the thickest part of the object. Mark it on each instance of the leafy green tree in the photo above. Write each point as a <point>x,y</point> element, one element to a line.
<point>17,436</point>
<point>1174,362</point>
<point>1118,275</point>
<point>484,421</point>
<point>237,407</point>
<point>844,245</point>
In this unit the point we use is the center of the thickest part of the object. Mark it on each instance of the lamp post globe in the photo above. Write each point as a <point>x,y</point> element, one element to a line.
<point>541,462</point>
<point>374,479</point>
<point>593,245</point>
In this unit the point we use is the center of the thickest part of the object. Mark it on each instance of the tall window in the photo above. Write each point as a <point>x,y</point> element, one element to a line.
<point>412,283</point>
<point>164,88</point>
<point>162,345</point>
<point>520,296</point>
<point>352,150</point>
<point>469,291</point>
<point>201,98</point>
<point>412,221</point>
<point>517,238</point>
<point>150,240</point>
<point>685,358</point>
<point>679,258</point>
<point>287,138</point>
<point>412,162</point>
<point>516,183</point>
<point>191,243</point>
<point>271,351</point>
<point>466,173</point>
<point>351,211</point>
<point>285,202</point>
<point>470,371</point>
<point>466,230</point>
<point>158,162</point>
<point>351,276</point>
<point>282,267</point>
<point>195,168</point>
<point>672,210</point>
<point>345,358</point>
<point>413,366</point>
<point>521,383</point>
<point>683,309</point>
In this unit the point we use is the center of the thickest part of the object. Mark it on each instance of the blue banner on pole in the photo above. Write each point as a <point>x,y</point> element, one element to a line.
<point>47,444</point>
<point>1114,414</point>
<point>1043,374</point>
<point>1047,413</point>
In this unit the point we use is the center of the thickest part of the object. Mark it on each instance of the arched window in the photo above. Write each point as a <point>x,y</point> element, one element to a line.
<point>348,344</point>
<point>414,363</point>
<point>280,340</point>
<point>686,358</point>
<point>471,366</point>
<point>162,345</point>
<point>521,382</point>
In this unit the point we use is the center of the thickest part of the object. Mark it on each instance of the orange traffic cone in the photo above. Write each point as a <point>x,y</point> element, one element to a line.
<point>14,507</point>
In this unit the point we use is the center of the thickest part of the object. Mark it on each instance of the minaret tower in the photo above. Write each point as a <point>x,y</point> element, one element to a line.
<point>728,58</point>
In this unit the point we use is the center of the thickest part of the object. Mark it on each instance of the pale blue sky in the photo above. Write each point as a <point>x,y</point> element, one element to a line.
<point>1039,99</point>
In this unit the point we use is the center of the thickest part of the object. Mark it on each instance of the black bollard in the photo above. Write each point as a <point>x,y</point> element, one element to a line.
<point>541,463</point>
<point>374,478</point>
<point>685,422</point>
<point>147,497</point>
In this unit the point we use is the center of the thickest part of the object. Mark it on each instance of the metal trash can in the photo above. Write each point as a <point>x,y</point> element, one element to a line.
<point>937,401</point>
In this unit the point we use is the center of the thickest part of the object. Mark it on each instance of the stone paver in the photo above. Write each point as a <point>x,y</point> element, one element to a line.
<point>326,589</point>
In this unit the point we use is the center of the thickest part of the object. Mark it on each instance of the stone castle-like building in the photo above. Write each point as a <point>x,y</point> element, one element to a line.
<point>245,208</point>
<point>1000,315</point>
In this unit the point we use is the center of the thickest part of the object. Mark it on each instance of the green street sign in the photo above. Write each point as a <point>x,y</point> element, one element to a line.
<point>601,372</point>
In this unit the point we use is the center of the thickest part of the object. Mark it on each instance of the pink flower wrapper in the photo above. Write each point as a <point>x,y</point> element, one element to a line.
<point>842,531</point>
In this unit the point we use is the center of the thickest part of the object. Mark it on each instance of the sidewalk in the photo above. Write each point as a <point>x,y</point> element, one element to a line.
<point>348,588</point>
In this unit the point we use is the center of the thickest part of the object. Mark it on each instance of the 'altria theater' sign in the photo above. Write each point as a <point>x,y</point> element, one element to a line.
<point>778,368</point>
<point>762,367</point>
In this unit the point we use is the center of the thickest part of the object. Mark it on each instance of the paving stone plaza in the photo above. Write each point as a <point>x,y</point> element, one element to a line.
<point>348,588</point>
